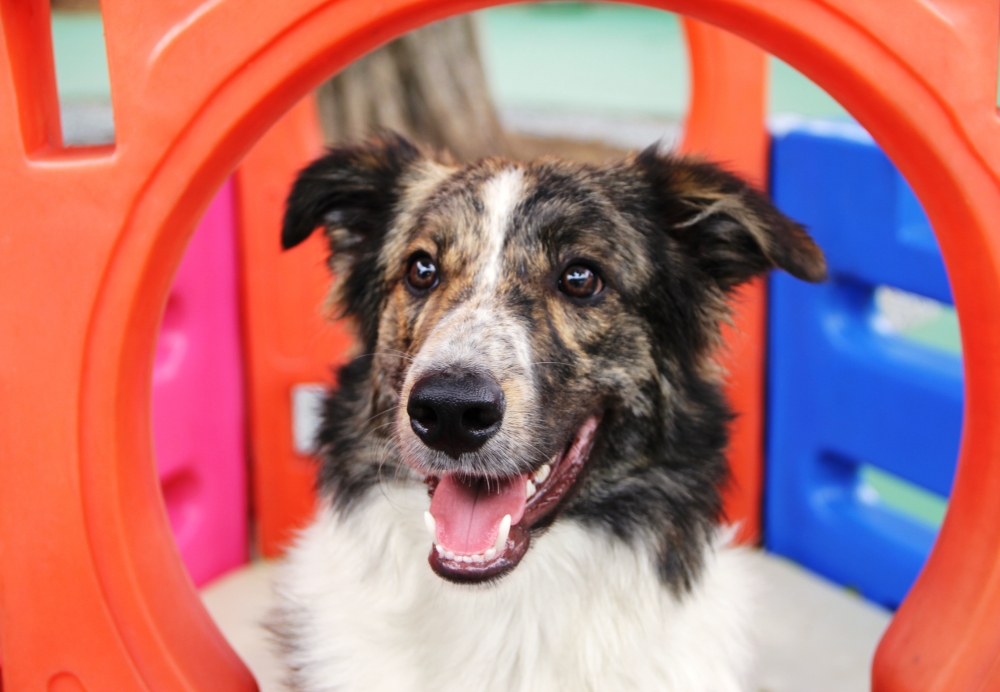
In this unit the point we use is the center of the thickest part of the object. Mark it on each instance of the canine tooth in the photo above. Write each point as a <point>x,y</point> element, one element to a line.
<point>529,488</point>
<point>439,549</point>
<point>431,525</point>
<point>543,473</point>
<point>490,554</point>
<point>501,542</point>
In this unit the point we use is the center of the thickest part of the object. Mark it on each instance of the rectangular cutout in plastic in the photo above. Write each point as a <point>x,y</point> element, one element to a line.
<point>81,67</point>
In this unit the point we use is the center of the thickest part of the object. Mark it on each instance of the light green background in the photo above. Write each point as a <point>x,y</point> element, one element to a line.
<point>616,59</point>
<point>81,61</point>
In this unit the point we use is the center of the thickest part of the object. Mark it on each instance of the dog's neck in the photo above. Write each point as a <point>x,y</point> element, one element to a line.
<point>582,611</point>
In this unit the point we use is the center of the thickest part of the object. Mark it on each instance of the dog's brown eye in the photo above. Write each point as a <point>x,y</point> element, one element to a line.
<point>579,281</point>
<point>422,273</point>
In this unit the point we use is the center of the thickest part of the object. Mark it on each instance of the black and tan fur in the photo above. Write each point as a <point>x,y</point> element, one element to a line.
<point>671,239</point>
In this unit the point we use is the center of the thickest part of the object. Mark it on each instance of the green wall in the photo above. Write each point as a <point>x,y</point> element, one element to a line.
<point>614,59</point>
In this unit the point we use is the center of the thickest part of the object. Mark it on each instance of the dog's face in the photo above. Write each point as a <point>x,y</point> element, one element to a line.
<point>541,337</point>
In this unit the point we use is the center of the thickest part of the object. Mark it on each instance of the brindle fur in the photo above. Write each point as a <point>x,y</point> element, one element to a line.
<point>671,237</point>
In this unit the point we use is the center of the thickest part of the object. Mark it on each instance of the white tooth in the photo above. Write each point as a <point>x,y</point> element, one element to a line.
<point>490,554</point>
<point>439,549</point>
<point>450,555</point>
<point>542,473</point>
<point>478,558</point>
<point>467,559</point>
<point>430,524</point>
<point>529,488</point>
<point>501,543</point>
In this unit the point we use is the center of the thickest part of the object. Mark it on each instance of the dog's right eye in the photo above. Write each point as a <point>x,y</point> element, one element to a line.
<point>580,281</point>
<point>422,274</point>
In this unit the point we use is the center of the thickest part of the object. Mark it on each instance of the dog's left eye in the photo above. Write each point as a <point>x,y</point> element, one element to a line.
<point>422,273</point>
<point>580,281</point>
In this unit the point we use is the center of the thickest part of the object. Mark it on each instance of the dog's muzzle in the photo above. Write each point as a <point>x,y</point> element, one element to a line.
<point>481,523</point>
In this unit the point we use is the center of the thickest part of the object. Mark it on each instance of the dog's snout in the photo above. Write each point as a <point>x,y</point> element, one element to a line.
<point>455,413</point>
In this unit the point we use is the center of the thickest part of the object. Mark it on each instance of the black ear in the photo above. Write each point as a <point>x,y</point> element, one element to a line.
<point>732,231</point>
<point>354,192</point>
<point>354,188</point>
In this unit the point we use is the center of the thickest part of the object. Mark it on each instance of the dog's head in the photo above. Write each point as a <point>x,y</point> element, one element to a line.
<point>541,335</point>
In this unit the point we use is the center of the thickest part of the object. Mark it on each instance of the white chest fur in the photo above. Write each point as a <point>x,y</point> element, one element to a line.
<point>581,612</point>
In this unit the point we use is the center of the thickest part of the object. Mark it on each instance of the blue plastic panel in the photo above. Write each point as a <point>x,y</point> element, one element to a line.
<point>842,393</point>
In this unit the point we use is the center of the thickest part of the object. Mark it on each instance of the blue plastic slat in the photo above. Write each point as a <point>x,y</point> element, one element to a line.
<point>841,393</point>
<point>858,207</point>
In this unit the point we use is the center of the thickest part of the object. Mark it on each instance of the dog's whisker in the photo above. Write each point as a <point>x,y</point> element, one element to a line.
<point>542,456</point>
<point>390,352</point>
<point>391,409</point>
<point>383,455</point>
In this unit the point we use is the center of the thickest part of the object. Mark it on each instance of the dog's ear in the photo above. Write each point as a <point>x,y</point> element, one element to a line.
<point>354,192</point>
<point>732,231</point>
<point>353,188</point>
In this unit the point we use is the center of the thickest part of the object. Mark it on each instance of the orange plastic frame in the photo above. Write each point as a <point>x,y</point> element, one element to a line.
<point>92,593</point>
<point>287,339</point>
<point>289,342</point>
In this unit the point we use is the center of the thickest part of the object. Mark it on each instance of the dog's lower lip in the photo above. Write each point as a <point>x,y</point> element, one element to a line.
<point>545,488</point>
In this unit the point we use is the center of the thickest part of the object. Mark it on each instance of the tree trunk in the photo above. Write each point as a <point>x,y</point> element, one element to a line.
<point>428,85</point>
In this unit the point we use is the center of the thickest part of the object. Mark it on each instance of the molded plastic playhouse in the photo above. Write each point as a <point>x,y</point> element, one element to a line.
<point>93,591</point>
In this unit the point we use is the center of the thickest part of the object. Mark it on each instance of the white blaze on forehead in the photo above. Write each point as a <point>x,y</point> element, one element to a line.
<point>501,194</point>
<point>480,333</point>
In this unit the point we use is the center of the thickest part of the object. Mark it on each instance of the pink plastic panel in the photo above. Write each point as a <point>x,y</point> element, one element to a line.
<point>198,419</point>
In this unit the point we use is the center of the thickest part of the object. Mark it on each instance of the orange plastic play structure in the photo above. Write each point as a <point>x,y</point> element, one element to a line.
<point>726,124</point>
<point>93,595</point>
<point>288,341</point>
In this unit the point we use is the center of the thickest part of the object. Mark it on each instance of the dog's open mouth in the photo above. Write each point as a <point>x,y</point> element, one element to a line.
<point>481,526</point>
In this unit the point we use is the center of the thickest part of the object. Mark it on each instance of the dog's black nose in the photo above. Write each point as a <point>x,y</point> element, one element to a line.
<point>455,413</point>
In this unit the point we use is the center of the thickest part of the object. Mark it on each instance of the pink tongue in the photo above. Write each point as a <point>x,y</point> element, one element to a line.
<point>467,512</point>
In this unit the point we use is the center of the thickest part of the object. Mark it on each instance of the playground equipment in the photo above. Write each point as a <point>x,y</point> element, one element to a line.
<point>729,75</point>
<point>92,593</point>
<point>290,346</point>
<point>842,391</point>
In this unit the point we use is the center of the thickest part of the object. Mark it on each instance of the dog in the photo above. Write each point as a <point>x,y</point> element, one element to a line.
<point>521,470</point>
